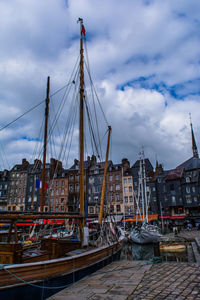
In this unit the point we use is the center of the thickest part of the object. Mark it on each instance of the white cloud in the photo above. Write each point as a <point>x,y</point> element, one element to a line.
<point>126,40</point>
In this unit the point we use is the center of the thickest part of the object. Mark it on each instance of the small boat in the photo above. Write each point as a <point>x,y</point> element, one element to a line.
<point>173,247</point>
<point>145,234</point>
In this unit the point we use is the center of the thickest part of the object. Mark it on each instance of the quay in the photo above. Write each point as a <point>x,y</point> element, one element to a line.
<point>128,279</point>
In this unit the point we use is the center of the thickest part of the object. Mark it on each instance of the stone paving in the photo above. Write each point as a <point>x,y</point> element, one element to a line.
<point>187,234</point>
<point>139,280</point>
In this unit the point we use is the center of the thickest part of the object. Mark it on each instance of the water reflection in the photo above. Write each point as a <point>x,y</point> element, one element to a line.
<point>132,251</point>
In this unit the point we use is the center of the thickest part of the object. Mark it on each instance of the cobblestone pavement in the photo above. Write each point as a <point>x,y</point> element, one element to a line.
<point>188,234</point>
<point>169,281</point>
<point>137,280</point>
<point>127,280</point>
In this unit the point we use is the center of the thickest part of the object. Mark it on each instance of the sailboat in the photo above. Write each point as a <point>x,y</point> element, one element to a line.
<point>146,233</point>
<point>59,262</point>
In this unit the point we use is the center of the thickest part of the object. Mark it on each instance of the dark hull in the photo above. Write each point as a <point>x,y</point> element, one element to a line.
<point>24,291</point>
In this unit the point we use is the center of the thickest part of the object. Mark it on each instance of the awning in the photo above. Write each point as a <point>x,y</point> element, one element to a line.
<point>138,218</point>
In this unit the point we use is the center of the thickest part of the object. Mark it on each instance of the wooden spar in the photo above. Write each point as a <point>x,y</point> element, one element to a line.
<point>81,132</point>
<point>104,177</point>
<point>42,200</point>
<point>35,216</point>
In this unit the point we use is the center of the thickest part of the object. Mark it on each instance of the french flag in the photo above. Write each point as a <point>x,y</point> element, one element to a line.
<point>37,184</point>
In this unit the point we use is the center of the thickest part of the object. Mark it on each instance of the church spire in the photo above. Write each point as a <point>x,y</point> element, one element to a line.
<point>194,146</point>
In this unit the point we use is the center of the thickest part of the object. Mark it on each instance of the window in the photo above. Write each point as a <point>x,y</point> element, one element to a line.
<point>91,210</point>
<point>71,188</point>
<point>131,198</point>
<point>110,188</point>
<point>188,199</point>
<point>117,187</point>
<point>126,199</point>
<point>117,197</point>
<point>173,199</point>
<point>130,189</point>
<point>57,183</point>
<point>117,177</point>
<point>62,208</point>
<point>71,178</point>
<point>77,177</point>
<point>91,180</point>
<point>62,191</point>
<point>125,189</point>
<point>110,178</point>
<point>77,187</point>
<point>57,201</point>
<point>118,208</point>
<point>62,200</point>
<point>129,180</point>
<point>52,192</point>
<point>111,208</point>
<point>125,181</point>
<point>193,189</point>
<point>56,191</point>
<point>96,198</point>
<point>187,179</point>
<point>195,199</point>
<point>187,189</point>
<point>135,183</point>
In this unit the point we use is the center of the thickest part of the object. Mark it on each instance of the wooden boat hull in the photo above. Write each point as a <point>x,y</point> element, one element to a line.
<point>47,272</point>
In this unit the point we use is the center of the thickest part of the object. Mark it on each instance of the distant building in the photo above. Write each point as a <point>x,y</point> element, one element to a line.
<point>4,185</point>
<point>128,190</point>
<point>58,190</point>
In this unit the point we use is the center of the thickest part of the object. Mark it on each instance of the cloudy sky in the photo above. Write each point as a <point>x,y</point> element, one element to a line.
<point>144,58</point>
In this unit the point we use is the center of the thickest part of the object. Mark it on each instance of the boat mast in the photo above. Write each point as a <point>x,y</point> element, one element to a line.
<point>141,183</point>
<point>145,189</point>
<point>81,125</point>
<point>42,200</point>
<point>104,177</point>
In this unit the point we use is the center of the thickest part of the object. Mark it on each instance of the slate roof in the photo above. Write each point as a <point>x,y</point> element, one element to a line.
<point>192,163</point>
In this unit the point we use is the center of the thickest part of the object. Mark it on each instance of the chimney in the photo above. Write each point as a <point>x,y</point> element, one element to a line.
<point>125,164</point>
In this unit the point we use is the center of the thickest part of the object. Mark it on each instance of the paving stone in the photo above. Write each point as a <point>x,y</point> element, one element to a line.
<point>132,280</point>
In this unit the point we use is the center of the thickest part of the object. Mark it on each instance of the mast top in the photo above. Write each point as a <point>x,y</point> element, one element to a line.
<point>82,28</point>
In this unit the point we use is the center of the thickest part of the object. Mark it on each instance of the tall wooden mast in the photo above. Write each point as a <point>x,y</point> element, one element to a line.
<point>104,177</point>
<point>42,199</point>
<point>81,132</point>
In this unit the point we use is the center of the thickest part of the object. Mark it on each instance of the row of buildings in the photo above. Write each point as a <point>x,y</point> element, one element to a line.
<point>174,195</point>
